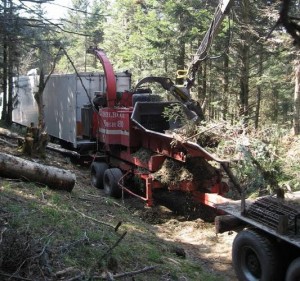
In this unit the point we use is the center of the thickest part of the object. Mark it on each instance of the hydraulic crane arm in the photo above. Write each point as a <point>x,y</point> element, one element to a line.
<point>179,93</point>
<point>182,93</point>
<point>202,52</point>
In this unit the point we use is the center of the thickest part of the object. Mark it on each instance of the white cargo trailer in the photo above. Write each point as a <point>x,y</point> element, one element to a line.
<point>64,98</point>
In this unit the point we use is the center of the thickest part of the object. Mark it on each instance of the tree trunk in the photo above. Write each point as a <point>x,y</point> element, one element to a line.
<point>5,56</point>
<point>37,138</point>
<point>209,90</point>
<point>38,96</point>
<point>244,51</point>
<point>181,50</point>
<point>225,87</point>
<point>297,99</point>
<point>244,82</point>
<point>257,110</point>
<point>18,168</point>
<point>202,80</point>
<point>10,84</point>
<point>258,88</point>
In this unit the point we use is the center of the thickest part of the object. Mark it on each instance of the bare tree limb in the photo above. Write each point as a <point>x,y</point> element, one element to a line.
<point>9,134</point>
<point>128,274</point>
<point>80,241</point>
<point>53,67</point>
<point>78,277</point>
<point>50,22</point>
<point>1,234</point>
<point>8,143</point>
<point>15,277</point>
<point>38,1</point>
<point>98,221</point>
<point>73,65</point>
<point>115,245</point>
<point>68,270</point>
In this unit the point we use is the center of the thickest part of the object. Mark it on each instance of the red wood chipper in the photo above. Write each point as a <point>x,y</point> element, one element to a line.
<point>135,143</point>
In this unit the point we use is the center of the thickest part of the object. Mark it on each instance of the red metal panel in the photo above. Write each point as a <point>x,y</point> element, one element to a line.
<point>126,99</point>
<point>210,199</point>
<point>111,88</point>
<point>153,164</point>
<point>111,126</point>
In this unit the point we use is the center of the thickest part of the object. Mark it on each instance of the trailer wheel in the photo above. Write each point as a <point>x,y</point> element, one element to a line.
<point>293,272</point>
<point>111,180</point>
<point>255,257</point>
<point>97,173</point>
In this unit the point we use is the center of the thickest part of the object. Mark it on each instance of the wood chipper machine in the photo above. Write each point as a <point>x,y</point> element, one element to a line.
<point>137,151</point>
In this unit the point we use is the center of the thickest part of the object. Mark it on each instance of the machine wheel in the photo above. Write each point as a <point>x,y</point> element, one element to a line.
<point>255,257</point>
<point>293,272</point>
<point>97,173</point>
<point>111,180</point>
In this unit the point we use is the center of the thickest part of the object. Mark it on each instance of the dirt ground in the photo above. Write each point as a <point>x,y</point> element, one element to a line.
<point>196,238</point>
<point>201,244</point>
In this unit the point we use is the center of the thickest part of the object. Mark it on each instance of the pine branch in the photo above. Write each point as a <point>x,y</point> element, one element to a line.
<point>127,274</point>
<point>78,10</point>
<point>52,23</point>
<point>38,1</point>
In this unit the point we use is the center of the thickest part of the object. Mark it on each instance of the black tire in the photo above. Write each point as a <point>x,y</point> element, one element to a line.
<point>255,257</point>
<point>110,181</point>
<point>293,272</point>
<point>97,174</point>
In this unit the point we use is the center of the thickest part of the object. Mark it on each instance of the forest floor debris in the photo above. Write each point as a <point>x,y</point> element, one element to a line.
<point>67,244</point>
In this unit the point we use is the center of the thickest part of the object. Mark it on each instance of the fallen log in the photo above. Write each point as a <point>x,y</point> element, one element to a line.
<point>9,134</point>
<point>63,151</point>
<point>18,168</point>
<point>51,146</point>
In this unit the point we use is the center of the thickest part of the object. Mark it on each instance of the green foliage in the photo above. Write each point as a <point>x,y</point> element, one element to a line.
<point>159,37</point>
<point>175,113</point>
<point>85,29</point>
<point>259,160</point>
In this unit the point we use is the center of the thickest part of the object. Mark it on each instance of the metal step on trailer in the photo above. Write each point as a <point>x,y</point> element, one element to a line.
<point>82,147</point>
<point>85,145</point>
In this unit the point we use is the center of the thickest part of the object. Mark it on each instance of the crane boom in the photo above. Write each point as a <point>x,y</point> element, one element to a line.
<point>220,13</point>
<point>182,93</point>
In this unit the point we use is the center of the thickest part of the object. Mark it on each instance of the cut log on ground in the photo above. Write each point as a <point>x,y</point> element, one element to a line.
<point>18,168</point>
<point>63,151</point>
<point>9,134</point>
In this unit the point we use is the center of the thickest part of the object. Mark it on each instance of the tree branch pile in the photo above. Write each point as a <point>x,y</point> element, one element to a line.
<point>19,253</point>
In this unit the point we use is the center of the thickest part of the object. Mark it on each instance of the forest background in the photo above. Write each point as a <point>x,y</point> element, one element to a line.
<point>247,86</point>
